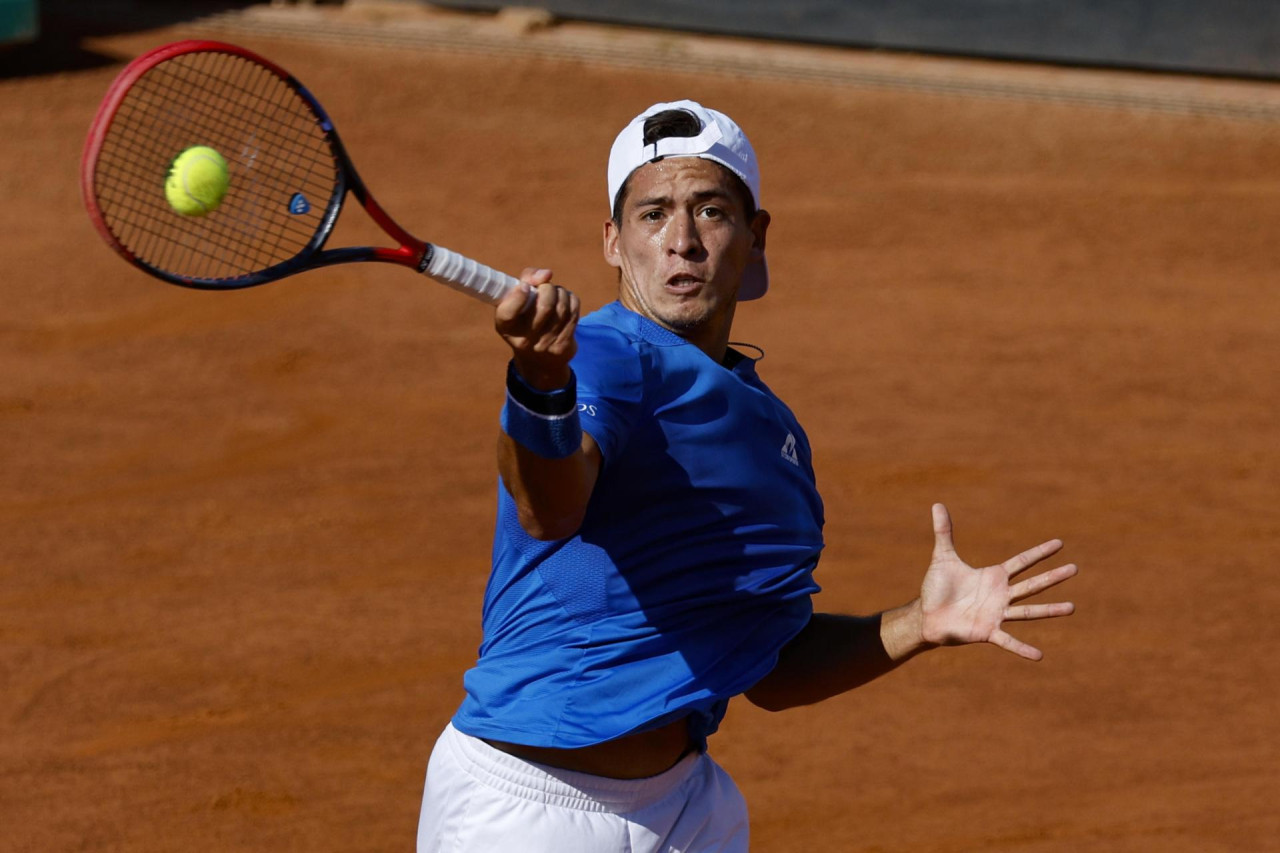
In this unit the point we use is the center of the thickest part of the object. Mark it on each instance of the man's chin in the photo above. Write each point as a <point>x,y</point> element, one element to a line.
<point>681,313</point>
<point>684,318</point>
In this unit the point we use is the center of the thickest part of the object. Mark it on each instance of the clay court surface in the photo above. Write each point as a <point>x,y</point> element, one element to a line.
<point>245,535</point>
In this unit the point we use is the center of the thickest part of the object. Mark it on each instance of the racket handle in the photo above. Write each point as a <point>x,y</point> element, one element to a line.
<point>471,277</point>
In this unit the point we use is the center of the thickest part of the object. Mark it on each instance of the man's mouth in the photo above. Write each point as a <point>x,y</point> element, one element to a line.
<point>683,283</point>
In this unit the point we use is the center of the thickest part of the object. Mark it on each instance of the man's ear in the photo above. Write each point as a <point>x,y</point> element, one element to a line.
<point>759,228</point>
<point>611,256</point>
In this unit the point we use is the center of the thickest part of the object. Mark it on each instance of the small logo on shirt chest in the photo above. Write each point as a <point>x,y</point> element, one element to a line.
<point>789,450</point>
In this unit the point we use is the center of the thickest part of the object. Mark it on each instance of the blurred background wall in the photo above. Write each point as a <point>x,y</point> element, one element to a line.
<point>1237,38</point>
<point>1233,37</point>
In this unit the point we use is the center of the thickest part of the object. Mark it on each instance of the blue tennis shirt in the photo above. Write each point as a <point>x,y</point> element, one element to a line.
<point>692,568</point>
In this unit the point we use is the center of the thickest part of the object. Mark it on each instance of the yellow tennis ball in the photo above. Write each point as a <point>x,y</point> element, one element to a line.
<point>197,181</point>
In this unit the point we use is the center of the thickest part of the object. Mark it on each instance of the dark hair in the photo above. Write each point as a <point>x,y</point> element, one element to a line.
<point>669,123</point>
<point>682,123</point>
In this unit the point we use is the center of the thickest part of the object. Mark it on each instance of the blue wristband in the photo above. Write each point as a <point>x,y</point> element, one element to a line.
<point>544,422</point>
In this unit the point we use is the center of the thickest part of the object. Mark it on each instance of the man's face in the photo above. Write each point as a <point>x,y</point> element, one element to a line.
<point>682,246</point>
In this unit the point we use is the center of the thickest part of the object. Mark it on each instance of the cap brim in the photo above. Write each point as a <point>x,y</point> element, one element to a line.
<point>755,281</point>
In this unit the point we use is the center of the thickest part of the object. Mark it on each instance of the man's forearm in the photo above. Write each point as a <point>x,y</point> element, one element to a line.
<point>835,654</point>
<point>551,495</point>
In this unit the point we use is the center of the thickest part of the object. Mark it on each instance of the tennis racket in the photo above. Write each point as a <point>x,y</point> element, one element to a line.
<point>289,177</point>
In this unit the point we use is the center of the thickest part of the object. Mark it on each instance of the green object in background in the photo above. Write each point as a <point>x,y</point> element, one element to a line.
<point>18,20</point>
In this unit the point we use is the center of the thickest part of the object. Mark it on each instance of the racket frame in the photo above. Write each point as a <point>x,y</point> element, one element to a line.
<point>412,252</point>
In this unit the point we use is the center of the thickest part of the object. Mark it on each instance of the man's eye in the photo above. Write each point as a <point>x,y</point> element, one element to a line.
<point>712,212</point>
<point>651,215</point>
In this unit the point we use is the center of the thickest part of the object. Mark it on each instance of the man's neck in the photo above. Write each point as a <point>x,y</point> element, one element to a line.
<point>714,345</point>
<point>712,337</point>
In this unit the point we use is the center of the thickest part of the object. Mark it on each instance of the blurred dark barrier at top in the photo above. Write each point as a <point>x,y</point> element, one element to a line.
<point>1229,37</point>
<point>18,21</point>
<point>54,42</point>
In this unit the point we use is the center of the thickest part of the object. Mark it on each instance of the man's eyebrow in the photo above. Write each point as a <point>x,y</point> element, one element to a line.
<point>716,192</point>
<point>654,201</point>
<point>666,201</point>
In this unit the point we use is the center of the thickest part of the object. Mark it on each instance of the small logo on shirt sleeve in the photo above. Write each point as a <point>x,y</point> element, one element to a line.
<point>789,450</point>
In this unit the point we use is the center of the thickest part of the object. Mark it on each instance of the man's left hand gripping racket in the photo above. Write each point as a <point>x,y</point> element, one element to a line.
<point>288,176</point>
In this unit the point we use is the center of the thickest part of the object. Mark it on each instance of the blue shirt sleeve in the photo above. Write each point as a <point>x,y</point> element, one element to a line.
<point>610,386</point>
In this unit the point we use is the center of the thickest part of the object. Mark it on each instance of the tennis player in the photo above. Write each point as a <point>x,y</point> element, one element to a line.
<point>658,528</point>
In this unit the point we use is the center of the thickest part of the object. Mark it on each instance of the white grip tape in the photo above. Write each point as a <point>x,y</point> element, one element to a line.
<point>471,277</point>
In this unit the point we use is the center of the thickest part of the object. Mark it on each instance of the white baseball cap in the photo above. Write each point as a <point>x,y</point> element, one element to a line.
<point>720,141</point>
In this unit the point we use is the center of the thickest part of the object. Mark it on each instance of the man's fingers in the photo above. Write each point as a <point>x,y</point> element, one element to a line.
<point>1041,582</point>
<point>571,308</point>
<point>1019,648</point>
<point>1027,559</point>
<point>556,308</point>
<point>535,276</point>
<point>512,305</point>
<point>1026,612</point>
<point>521,298</point>
<point>542,310</point>
<point>942,541</point>
<point>544,305</point>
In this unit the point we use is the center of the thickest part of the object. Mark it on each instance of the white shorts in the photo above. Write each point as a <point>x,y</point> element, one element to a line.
<point>480,800</point>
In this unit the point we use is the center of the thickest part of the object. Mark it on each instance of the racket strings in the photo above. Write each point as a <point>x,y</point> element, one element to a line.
<point>157,240</point>
<point>246,232</point>
<point>241,234</point>
<point>274,147</point>
<point>178,119</point>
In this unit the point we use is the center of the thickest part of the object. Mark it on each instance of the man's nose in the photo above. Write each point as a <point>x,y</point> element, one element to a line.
<point>682,235</point>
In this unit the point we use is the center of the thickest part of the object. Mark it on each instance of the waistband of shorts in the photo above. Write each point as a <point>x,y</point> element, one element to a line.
<point>564,788</point>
